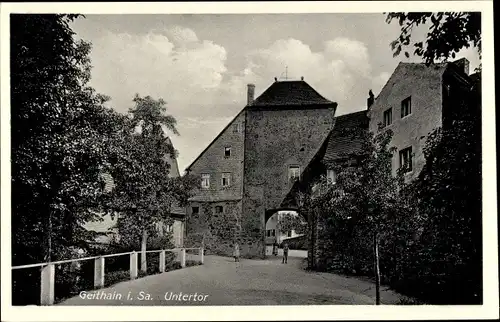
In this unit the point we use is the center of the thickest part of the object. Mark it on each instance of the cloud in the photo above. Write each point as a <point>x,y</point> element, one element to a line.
<point>336,71</point>
<point>172,64</point>
<point>352,52</point>
<point>191,74</point>
<point>379,82</point>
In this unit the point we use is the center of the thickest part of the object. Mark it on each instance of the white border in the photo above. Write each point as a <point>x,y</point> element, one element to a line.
<point>489,310</point>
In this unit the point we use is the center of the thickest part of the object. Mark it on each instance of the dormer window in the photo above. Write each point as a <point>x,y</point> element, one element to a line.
<point>227,152</point>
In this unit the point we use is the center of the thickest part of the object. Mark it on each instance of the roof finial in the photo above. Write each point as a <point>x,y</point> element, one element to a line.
<point>286,72</point>
<point>302,78</point>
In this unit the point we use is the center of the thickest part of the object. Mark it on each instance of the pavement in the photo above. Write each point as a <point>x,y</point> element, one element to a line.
<point>221,281</point>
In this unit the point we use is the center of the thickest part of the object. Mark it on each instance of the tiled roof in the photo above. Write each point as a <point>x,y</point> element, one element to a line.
<point>340,144</point>
<point>290,93</point>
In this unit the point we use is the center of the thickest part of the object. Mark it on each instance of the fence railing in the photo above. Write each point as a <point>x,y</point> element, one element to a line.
<point>47,276</point>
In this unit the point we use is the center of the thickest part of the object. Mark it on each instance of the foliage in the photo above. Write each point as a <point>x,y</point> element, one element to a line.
<point>449,32</point>
<point>449,193</point>
<point>289,221</point>
<point>429,229</point>
<point>59,127</point>
<point>144,192</point>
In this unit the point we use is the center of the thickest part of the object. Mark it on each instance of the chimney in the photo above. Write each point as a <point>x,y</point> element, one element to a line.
<point>250,93</point>
<point>463,64</point>
<point>301,78</point>
<point>370,100</point>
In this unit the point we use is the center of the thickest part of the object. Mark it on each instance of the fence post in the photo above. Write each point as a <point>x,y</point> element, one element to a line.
<point>47,287</point>
<point>162,261</point>
<point>133,265</point>
<point>183,257</point>
<point>99,272</point>
<point>201,255</point>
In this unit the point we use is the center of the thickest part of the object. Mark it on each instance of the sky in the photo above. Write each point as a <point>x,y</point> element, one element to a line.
<point>200,64</point>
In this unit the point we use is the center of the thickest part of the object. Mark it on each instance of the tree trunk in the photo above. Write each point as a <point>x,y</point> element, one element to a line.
<point>377,269</point>
<point>144,263</point>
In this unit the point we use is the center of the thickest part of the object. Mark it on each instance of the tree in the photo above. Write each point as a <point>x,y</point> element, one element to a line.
<point>59,127</point>
<point>289,221</point>
<point>365,196</point>
<point>449,192</point>
<point>144,192</point>
<point>449,32</point>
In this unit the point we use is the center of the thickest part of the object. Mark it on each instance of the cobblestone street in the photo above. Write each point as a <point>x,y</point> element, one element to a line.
<point>248,282</point>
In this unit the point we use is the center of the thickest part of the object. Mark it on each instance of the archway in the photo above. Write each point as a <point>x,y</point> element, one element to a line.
<point>273,233</point>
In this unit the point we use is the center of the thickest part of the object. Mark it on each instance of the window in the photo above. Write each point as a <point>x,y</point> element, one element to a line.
<point>227,152</point>
<point>331,177</point>
<point>195,210</point>
<point>205,180</point>
<point>405,159</point>
<point>270,233</point>
<point>226,179</point>
<point>219,209</point>
<point>237,128</point>
<point>293,173</point>
<point>406,107</point>
<point>388,117</point>
<point>289,233</point>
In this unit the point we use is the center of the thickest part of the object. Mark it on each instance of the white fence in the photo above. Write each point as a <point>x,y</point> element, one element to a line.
<point>47,276</point>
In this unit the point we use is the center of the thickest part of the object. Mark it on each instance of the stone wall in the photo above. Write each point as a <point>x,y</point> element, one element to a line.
<point>214,162</point>
<point>217,231</point>
<point>424,86</point>
<point>276,139</point>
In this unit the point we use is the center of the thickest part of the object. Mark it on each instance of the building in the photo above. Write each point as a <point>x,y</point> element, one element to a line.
<point>107,231</point>
<point>281,142</point>
<point>416,100</point>
<point>249,168</point>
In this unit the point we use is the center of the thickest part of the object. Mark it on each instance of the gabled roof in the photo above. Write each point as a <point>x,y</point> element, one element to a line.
<point>281,94</point>
<point>404,68</point>
<point>434,70</point>
<point>339,144</point>
<point>290,93</point>
<point>335,146</point>
<point>188,168</point>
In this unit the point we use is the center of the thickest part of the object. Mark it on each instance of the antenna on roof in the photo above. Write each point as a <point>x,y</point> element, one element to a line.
<point>286,73</point>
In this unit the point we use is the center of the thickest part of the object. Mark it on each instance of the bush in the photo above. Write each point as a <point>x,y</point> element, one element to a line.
<point>116,277</point>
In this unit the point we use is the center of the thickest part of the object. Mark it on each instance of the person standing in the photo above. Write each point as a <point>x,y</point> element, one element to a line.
<point>285,252</point>
<point>236,252</point>
<point>275,248</point>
